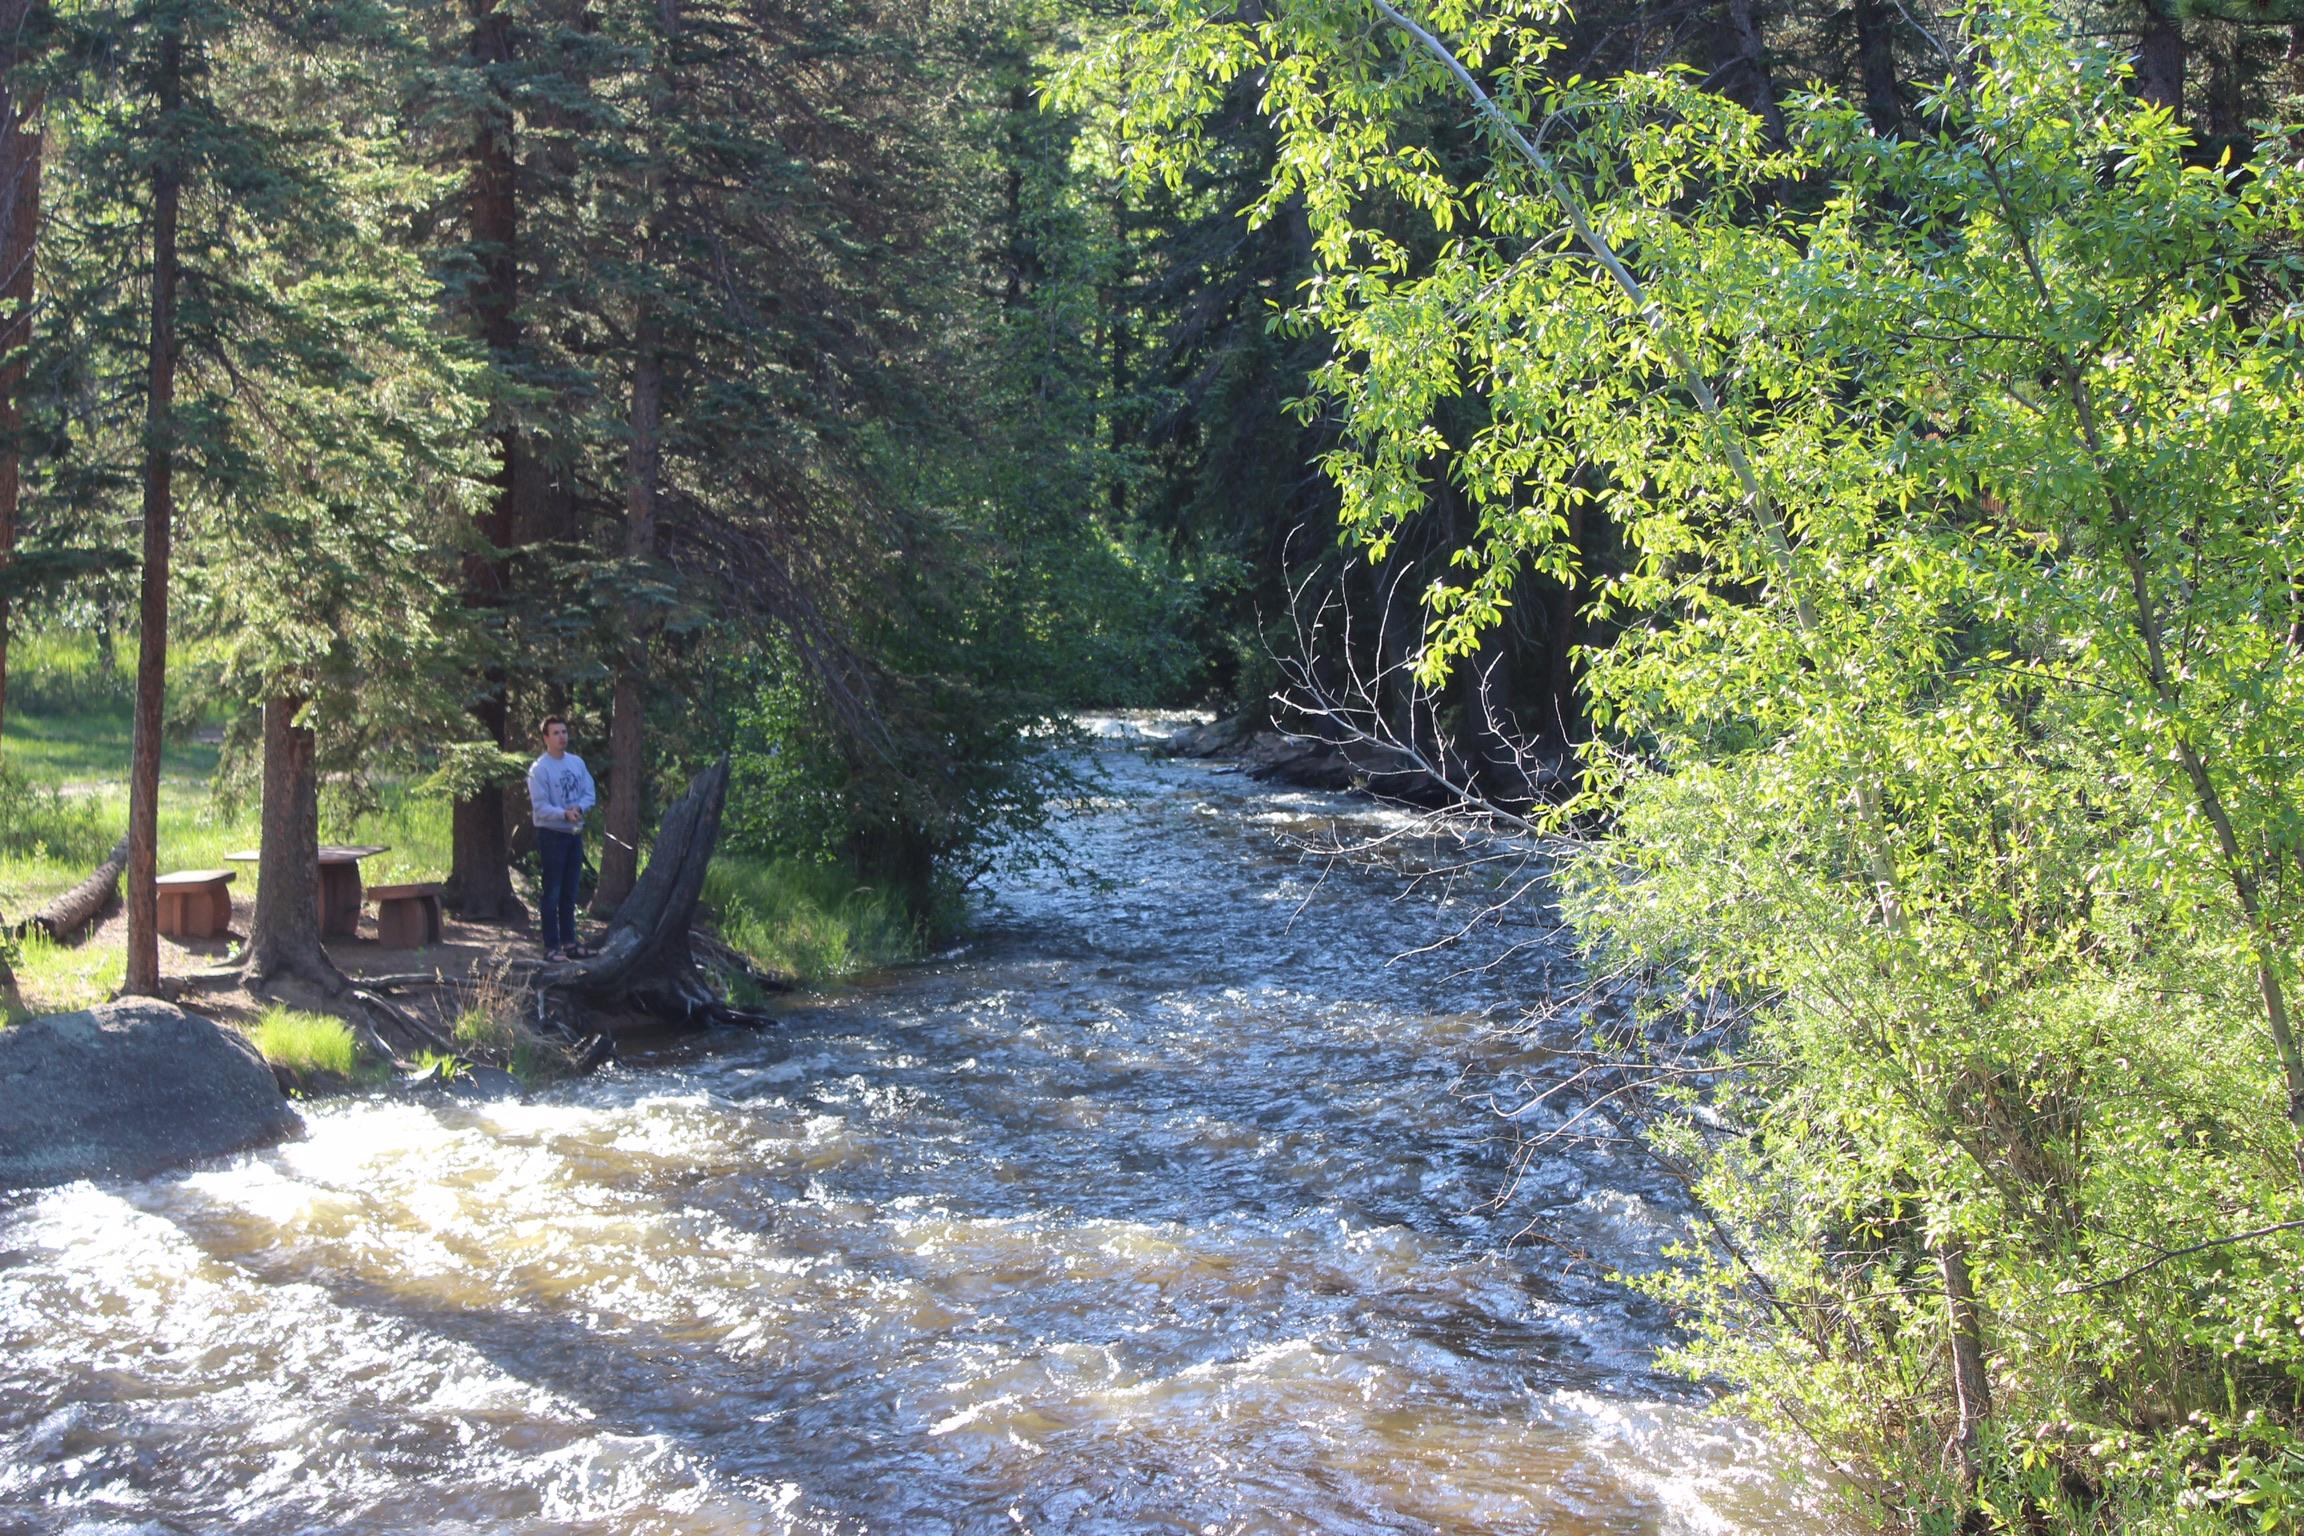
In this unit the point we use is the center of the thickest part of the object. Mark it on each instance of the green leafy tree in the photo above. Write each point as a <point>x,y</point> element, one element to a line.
<point>1946,728</point>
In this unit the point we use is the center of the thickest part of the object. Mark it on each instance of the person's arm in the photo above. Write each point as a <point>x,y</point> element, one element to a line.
<point>542,809</point>
<point>586,796</point>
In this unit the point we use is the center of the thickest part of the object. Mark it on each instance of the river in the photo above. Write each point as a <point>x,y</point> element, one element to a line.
<point>1165,1203</point>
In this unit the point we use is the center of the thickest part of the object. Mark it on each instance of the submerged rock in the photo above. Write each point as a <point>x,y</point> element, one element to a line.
<point>128,1090</point>
<point>469,1084</point>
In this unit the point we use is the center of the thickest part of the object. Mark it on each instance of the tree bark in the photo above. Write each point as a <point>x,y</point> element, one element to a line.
<point>627,743</point>
<point>479,881</point>
<point>1876,66</point>
<point>19,241</point>
<point>143,969</point>
<point>1971,1386</point>
<point>1744,72</point>
<point>643,469</point>
<point>1562,714</point>
<point>77,907</point>
<point>284,933</point>
<point>2160,57</point>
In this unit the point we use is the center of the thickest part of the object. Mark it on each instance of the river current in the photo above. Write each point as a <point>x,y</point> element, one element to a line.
<point>1167,1202</point>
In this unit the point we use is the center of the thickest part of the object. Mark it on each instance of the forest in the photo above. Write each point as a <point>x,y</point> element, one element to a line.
<point>1827,472</point>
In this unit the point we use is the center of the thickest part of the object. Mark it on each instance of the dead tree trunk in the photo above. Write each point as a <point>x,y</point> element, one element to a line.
<point>77,907</point>
<point>284,932</point>
<point>645,963</point>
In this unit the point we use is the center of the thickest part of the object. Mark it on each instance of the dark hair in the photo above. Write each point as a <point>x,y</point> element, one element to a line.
<point>549,721</point>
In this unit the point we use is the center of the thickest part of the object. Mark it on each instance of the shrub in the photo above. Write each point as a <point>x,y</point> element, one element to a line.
<point>807,920</point>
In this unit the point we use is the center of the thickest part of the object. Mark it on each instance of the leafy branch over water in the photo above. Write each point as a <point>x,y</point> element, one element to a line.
<point>1945,722</point>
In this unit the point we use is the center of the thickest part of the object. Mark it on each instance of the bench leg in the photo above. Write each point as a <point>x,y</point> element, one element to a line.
<point>339,901</point>
<point>407,922</point>
<point>172,914</point>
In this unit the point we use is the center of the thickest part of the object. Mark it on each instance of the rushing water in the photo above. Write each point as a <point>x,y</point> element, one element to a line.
<point>1157,1206</point>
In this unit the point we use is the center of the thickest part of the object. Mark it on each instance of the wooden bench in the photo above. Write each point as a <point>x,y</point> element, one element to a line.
<point>194,903</point>
<point>407,916</point>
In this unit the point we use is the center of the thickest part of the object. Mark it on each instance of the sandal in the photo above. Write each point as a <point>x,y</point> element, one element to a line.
<point>581,952</point>
<point>555,956</point>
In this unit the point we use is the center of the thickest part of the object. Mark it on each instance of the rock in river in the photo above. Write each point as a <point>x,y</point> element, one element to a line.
<point>128,1090</point>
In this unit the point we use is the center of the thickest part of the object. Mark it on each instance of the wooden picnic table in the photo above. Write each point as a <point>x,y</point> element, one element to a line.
<point>339,884</point>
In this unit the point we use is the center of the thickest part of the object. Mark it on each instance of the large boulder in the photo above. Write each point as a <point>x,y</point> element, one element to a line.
<point>128,1090</point>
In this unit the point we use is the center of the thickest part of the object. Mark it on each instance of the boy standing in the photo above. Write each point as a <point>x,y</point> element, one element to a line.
<point>559,793</point>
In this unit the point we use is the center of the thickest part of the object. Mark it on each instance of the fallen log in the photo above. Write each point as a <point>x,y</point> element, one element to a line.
<point>77,907</point>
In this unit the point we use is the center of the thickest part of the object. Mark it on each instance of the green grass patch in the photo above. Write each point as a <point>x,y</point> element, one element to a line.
<point>59,978</point>
<point>809,921</point>
<point>64,794</point>
<point>307,1044</point>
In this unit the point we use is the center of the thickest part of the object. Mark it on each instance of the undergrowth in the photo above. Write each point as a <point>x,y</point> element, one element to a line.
<point>307,1044</point>
<point>806,920</point>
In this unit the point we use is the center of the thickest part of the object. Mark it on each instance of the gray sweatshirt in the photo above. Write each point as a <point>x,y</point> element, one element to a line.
<point>556,784</point>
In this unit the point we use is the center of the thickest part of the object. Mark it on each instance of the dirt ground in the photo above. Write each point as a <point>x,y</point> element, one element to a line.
<point>471,962</point>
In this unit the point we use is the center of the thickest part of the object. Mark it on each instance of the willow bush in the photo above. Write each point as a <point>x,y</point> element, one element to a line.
<point>1948,723</point>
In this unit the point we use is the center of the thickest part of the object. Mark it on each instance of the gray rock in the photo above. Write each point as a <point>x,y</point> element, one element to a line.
<point>128,1090</point>
<point>465,1084</point>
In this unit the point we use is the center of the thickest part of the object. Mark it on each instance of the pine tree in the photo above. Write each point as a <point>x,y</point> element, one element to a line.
<point>21,24</point>
<point>266,417</point>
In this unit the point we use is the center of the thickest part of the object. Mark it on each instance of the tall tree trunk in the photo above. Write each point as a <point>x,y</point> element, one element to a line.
<point>643,468</point>
<point>627,742</point>
<point>1119,338</point>
<point>1743,71</point>
<point>480,871</point>
<point>143,972</point>
<point>2160,57</point>
<point>19,240</point>
<point>284,933</point>
<point>1022,259</point>
<point>1876,65</point>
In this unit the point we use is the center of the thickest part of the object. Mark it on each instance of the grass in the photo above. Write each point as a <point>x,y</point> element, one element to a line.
<point>64,802</point>
<point>307,1044</point>
<point>60,978</point>
<point>64,794</point>
<point>809,921</point>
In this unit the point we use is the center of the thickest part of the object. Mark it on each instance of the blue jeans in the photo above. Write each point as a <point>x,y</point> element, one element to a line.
<point>562,855</point>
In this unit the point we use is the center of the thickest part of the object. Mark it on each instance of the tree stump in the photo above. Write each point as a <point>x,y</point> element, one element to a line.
<point>646,963</point>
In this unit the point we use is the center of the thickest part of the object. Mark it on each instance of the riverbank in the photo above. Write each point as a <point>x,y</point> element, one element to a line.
<point>62,806</point>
